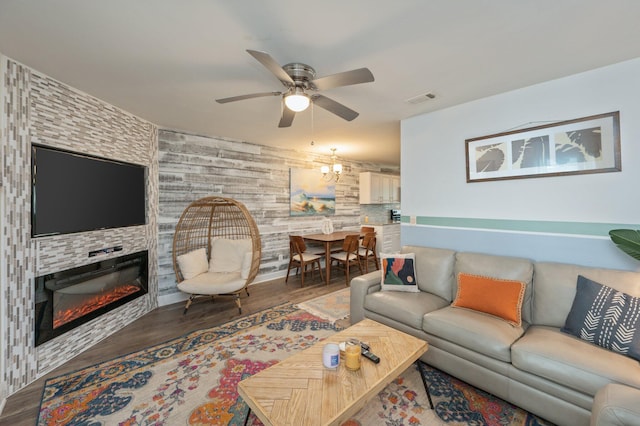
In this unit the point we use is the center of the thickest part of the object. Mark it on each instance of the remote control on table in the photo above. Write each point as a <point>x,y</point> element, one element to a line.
<point>364,346</point>
<point>370,356</point>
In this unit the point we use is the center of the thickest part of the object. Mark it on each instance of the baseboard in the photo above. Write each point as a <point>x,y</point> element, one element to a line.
<point>179,297</point>
<point>269,277</point>
<point>172,298</point>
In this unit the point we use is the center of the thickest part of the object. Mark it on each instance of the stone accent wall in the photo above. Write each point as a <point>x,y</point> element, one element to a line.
<point>192,167</point>
<point>19,361</point>
<point>41,110</point>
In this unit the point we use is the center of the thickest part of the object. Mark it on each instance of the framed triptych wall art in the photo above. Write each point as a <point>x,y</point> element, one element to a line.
<point>584,145</point>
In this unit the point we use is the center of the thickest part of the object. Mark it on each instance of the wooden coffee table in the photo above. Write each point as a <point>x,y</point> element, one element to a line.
<point>301,391</point>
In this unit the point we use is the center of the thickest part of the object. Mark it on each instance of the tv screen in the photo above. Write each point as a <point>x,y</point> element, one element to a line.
<point>75,192</point>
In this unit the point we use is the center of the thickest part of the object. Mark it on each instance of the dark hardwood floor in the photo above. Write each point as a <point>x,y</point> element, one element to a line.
<point>168,322</point>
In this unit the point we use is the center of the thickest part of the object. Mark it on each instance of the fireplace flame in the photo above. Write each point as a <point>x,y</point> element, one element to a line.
<point>93,303</point>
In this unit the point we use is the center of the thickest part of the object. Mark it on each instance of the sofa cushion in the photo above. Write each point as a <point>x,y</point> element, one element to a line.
<point>555,288</point>
<point>398,272</point>
<point>605,317</point>
<point>494,296</point>
<point>504,267</point>
<point>434,269</point>
<point>193,263</point>
<point>407,308</point>
<point>473,330</point>
<point>569,361</point>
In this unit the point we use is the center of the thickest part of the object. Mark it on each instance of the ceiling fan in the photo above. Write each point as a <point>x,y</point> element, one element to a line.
<point>301,85</point>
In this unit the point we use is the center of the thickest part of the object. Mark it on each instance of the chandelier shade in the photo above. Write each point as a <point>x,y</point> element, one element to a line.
<point>334,171</point>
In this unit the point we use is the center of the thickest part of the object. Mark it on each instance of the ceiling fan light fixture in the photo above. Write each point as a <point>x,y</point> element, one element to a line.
<point>297,101</point>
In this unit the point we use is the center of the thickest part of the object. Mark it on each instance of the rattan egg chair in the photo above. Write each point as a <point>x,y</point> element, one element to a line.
<point>206,224</point>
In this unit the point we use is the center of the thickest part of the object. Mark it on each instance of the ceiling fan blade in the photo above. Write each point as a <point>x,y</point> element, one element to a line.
<point>271,64</point>
<point>347,78</point>
<point>243,97</point>
<point>335,107</point>
<point>287,117</point>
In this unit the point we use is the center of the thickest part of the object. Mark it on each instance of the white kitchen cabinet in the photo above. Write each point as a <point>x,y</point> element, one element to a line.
<point>395,189</point>
<point>387,238</point>
<point>378,188</point>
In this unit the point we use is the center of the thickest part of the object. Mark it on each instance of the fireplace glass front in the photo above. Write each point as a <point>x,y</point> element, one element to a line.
<point>66,299</point>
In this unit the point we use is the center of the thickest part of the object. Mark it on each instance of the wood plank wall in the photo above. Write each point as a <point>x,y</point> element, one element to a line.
<point>191,167</point>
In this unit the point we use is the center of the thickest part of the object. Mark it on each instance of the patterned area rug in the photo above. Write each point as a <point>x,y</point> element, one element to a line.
<point>333,306</point>
<point>404,402</point>
<point>187,381</point>
<point>192,381</point>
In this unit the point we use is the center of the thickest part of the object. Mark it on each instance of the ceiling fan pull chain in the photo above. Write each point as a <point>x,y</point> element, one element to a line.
<point>312,123</point>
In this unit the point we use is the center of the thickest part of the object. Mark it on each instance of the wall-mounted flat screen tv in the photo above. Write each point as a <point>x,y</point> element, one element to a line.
<point>74,192</point>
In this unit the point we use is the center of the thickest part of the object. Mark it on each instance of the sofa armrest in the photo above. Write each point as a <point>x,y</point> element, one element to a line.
<point>360,287</point>
<point>616,405</point>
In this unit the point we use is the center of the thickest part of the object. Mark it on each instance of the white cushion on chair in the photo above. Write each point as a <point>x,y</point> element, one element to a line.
<point>343,256</point>
<point>362,251</point>
<point>247,260</point>
<point>227,255</point>
<point>308,257</point>
<point>213,283</point>
<point>193,263</point>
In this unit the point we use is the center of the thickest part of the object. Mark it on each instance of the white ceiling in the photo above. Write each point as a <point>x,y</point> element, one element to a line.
<point>167,60</point>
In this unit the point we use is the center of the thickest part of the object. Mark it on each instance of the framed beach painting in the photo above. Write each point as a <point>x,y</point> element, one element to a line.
<point>584,145</point>
<point>310,194</point>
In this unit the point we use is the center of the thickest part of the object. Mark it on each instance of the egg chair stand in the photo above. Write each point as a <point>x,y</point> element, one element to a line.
<point>227,232</point>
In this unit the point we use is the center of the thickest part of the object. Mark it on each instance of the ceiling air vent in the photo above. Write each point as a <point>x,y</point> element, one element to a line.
<point>421,98</point>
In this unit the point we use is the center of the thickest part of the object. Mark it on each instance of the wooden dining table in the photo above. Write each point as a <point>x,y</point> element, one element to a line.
<point>327,240</point>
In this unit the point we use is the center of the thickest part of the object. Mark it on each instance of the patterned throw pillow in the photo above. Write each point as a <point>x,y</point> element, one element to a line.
<point>605,317</point>
<point>398,272</point>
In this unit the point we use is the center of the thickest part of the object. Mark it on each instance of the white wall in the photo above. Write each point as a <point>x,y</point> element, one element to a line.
<point>434,172</point>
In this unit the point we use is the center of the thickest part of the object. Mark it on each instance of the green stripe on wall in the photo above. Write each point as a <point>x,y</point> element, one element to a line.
<point>576,228</point>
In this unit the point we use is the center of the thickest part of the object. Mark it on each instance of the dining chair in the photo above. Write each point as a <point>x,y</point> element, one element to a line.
<point>349,255</point>
<point>299,258</point>
<point>367,251</point>
<point>366,229</point>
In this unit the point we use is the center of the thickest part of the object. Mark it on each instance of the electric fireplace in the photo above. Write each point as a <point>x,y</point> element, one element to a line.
<point>66,299</point>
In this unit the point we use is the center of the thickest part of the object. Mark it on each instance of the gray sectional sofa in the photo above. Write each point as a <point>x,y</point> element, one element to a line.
<point>535,366</point>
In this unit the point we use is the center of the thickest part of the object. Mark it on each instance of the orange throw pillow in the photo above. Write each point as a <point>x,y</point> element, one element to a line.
<point>494,296</point>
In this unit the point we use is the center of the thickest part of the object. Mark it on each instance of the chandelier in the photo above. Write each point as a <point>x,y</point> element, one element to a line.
<point>334,171</point>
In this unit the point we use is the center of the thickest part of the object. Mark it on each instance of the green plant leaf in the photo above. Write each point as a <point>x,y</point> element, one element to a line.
<point>627,240</point>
